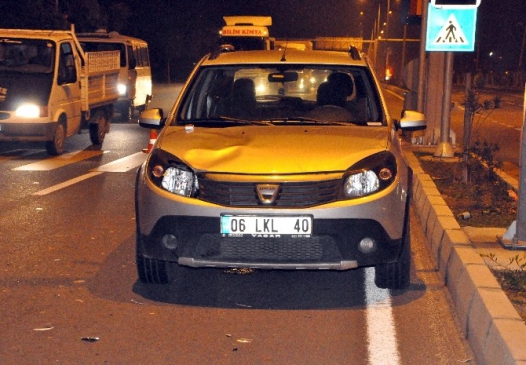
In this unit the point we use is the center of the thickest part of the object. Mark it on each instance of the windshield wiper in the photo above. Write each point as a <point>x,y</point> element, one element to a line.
<point>304,120</point>
<point>243,121</point>
<point>220,121</point>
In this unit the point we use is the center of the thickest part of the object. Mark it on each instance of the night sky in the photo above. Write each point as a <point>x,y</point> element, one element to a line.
<point>500,25</point>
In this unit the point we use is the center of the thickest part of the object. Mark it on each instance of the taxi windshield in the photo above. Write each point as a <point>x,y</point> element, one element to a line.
<point>277,92</point>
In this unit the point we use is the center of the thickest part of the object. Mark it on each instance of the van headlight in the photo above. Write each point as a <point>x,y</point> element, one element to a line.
<point>170,174</point>
<point>370,175</point>
<point>121,89</point>
<point>28,111</point>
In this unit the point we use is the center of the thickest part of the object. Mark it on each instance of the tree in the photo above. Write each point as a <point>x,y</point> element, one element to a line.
<point>31,14</point>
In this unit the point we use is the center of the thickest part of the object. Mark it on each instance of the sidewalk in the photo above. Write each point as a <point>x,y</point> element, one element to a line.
<point>492,326</point>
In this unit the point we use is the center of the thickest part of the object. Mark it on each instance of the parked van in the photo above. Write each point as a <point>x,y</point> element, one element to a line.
<point>135,76</point>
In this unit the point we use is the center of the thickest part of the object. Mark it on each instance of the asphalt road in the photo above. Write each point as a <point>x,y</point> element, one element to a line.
<point>69,292</point>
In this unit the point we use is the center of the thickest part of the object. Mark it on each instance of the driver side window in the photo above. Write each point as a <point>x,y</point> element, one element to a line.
<point>67,72</point>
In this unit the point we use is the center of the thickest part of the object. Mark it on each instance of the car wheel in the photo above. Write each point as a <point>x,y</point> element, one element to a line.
<point>55,147</point>
<point>97,128</point>
<point>397,275</point>
<point>151,271</point>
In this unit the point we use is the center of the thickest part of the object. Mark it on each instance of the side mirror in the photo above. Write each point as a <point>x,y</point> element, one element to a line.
<point>152,118</point>
<point>411,121</point>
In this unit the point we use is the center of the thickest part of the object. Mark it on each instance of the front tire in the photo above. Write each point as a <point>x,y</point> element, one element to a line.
<point>151,271</point>
<point>55,147</point>
<point>397,275</point>
<point>98,127</point>
<point>126,111</point>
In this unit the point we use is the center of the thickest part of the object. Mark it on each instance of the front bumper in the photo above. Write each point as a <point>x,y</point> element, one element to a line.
<point>196,242</point>
<point>41,131</point>
<point>187,231</point>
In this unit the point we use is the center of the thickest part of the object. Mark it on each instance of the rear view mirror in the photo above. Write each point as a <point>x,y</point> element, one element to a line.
<point>283,77</point>
<point>152,118</point>
<point>412,121</point>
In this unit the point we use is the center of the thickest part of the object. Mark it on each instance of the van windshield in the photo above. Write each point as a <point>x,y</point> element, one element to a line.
<point>27,55</point>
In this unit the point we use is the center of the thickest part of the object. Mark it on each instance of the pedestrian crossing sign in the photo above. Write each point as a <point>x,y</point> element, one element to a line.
<point>451,30</point>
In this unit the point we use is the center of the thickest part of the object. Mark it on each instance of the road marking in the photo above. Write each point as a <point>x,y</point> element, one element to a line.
<point>67,183</point>
<point>381,330</point>
<point>59,161</point>
<point>123,164</point>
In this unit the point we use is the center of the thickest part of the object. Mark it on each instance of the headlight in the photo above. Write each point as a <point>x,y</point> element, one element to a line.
<point>28,111</point>
<point>370,175</point>
<point>121,88</point>
<point>170,174</point>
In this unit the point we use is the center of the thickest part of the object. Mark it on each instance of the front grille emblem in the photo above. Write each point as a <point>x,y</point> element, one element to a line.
<point>267,193</point>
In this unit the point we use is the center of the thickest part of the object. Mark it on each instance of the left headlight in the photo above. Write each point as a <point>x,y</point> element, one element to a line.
<point>170,174</point>
<point>370,175</point>
<point>28,111</point>
<point>121,88</point>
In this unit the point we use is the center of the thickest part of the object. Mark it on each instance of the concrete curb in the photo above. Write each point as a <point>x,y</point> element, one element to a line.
<point>490,323</point>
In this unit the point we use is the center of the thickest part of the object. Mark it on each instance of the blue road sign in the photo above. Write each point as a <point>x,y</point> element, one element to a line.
<point>451,29</point>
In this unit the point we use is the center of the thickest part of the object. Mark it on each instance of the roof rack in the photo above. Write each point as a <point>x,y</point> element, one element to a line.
<point>223,48</point>
<point>354,53</point>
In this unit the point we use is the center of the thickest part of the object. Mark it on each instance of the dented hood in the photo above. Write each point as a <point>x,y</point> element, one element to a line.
<point>273,149</point>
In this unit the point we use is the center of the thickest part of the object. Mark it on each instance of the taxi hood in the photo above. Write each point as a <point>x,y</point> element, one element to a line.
<point>273,149</point>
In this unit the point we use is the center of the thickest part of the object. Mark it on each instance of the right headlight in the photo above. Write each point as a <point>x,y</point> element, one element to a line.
<point>170,174</point>
<point>370,175</point>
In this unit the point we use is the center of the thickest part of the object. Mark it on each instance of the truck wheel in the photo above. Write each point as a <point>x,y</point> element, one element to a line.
<point>151,271</point>
<point>397,275</point>
<point>97,128</point>
<point>55,147</point>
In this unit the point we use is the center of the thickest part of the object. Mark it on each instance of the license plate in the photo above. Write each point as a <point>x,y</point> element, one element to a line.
<point>265,226</point>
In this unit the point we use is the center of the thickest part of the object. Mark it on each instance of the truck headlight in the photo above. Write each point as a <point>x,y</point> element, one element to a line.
<point>370,175</point>
<point>168,173</point>
<point>121,89</point>
<point>28,111</point>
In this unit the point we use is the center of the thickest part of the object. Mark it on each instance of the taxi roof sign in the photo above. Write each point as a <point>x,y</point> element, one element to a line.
<point>260,21</point>
<point>455,4</point>
<point>243,31</point>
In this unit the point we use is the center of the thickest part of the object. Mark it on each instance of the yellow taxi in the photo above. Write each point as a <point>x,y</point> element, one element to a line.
<point>276,159</point>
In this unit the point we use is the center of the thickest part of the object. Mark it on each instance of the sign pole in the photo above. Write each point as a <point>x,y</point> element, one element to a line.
<point>515,236</point>
<point>444,148</point>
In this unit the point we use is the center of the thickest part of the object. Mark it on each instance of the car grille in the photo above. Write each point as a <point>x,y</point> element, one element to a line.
<point>248,249</point>
<point>291,194</point>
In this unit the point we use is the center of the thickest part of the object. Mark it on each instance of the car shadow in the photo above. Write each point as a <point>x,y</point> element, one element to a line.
<point>243,289</point>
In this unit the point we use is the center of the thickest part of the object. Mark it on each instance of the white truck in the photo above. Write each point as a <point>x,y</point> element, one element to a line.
<point>50,88</point>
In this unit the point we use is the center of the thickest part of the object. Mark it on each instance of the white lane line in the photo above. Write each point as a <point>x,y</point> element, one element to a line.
<point>59,161</point>
<point>381,330</point>
<point>67,183</point>
<point>123,164</point>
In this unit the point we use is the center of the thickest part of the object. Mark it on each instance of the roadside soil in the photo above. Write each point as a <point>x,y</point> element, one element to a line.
<point>481,200</point>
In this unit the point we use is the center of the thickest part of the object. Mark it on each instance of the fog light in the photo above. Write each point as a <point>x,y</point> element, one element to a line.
<point>169,241</point>
<point>367,245</point>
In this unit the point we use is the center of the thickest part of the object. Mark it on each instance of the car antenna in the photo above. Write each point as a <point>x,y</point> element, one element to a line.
<point>283,58</point>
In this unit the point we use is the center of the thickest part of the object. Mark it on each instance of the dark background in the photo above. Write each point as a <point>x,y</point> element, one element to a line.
<point>180,32</point>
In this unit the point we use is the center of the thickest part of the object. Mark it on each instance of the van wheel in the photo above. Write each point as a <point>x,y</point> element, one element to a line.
<point>55,147</point>
<point>151,271</point>
<point>126,112</point>
<point>97,128</point>
<point>397,275</point>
